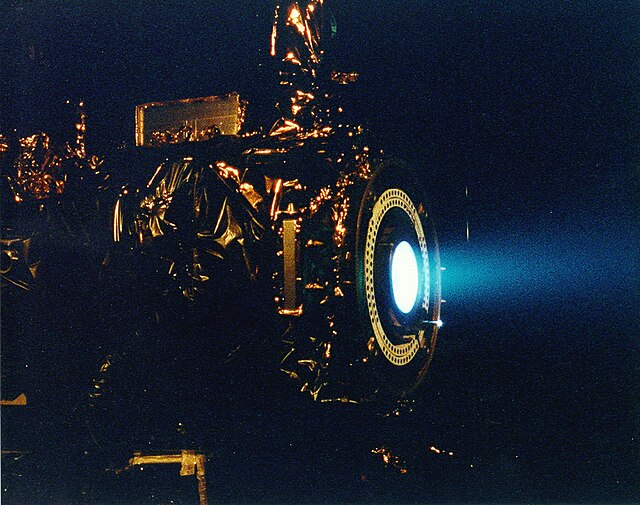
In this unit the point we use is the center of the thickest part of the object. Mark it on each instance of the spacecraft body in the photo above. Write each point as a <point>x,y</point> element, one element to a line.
<point>298,237</point>
<point>306,224</point>
<point>302,224</point>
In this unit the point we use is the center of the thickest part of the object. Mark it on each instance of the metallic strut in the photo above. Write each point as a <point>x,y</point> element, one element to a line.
<point>290,245</point>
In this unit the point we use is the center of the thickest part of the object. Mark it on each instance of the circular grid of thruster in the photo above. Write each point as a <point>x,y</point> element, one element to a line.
<point>397,354</point>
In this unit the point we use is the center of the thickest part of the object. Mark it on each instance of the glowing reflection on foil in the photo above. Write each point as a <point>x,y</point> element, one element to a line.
<point>391,460</point>
<point>441,452</point>
<point>278,212</point>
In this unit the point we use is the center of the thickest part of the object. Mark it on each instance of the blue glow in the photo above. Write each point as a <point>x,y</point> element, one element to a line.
<point>404,277</point>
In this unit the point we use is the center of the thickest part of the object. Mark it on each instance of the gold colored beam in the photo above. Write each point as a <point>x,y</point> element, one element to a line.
<point>290,246</point>
<point>190,463</point>
<point>19,401</point>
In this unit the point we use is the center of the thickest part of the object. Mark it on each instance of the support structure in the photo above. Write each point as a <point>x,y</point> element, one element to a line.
<point>190,463</point>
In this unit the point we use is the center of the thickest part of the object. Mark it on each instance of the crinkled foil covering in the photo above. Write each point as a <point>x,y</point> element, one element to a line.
<point>300,35</point>
<point>39,169</point>
<point>222,202</point>
<point>217,206</point>
<point>200,224</point>
<point>49,193</point>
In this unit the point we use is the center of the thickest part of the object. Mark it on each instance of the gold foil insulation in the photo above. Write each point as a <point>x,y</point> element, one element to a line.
<point>40,169</point>
<point>275,213</point>
<point>299,38</point>
<point>44,181</point>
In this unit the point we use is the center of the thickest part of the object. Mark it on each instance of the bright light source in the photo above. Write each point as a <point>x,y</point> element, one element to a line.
<point>404,277</point>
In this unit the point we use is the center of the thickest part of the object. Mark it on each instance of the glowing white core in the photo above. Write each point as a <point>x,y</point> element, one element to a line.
<point>404,277</point>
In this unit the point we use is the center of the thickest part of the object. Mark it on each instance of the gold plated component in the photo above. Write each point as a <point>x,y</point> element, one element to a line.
<point>190,463</point>
<point>18,401</point>
<point>290,248</point>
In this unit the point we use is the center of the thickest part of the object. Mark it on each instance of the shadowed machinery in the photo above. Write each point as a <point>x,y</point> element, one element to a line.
<point>219,271</point>
<point>299,227</point>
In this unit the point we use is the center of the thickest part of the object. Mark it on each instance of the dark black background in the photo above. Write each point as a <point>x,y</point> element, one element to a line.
<point>531,106</point>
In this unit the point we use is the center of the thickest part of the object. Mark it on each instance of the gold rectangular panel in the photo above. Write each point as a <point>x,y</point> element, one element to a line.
<point>290,246</point>
<point>188,119</point>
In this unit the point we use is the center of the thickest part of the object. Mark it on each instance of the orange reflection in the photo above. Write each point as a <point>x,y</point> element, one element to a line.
<point>390,460</point>
<point>296,19</point>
